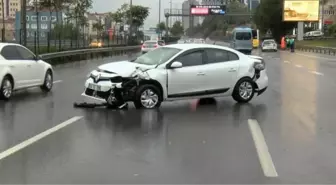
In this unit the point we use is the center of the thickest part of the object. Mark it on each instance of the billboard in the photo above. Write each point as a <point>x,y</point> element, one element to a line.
<point>301,10</point>
<point>202,10</point>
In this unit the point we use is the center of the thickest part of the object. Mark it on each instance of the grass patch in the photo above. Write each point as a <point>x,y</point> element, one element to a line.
<point>321,43</point>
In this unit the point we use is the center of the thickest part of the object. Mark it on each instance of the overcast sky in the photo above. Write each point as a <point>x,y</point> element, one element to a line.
<point>153,18</point>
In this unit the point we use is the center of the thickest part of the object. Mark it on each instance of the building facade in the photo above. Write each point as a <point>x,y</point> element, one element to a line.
<point>9,29</point>
<point>11,7</point>
<point>329,13</point>
<point>42,21</point>
<point>187,20</point>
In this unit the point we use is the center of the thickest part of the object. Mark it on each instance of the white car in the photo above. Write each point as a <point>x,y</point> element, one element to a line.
<point>177,72</point>
<point>269,45</point>
<point>151,45</point>
<point>21,69</point>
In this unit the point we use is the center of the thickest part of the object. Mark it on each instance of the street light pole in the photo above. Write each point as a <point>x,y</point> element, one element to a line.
<point>130,20</point>
<point>159,11</point>
<point>3,21</point>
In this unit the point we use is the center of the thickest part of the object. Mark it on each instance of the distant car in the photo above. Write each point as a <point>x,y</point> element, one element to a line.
<point>179,72</point>
<point>96,43</point>
<point>181,41</point>
<point>21,69</point>
<point>269,45</point>
<point>150,45</point>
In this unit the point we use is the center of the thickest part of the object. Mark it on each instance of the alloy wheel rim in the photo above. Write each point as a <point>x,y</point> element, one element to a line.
<point>149,98</point>
<point>245,90</point>
<point>48,81</point>
<point>7,88</point>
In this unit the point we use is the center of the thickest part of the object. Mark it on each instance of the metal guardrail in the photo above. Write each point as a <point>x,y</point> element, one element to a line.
<point>86,51</point>
<point>317,38</point>
<point>322,50</point>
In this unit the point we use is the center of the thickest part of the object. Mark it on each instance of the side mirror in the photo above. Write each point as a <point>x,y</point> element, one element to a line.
<point>176,64</point>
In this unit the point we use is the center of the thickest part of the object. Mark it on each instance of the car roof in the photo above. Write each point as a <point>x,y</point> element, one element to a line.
<point>195,46</point>
<point>3,44</point>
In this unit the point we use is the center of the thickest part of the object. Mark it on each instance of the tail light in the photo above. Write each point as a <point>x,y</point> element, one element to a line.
<point>143,46</point>
<point>156,45</point>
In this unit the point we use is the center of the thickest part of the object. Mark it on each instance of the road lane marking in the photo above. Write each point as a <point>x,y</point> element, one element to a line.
<point>38,137</point>
<point>299,66</point>
<point>317,73</point>
<point>265,158</point>
<point>286,61</point>
<point>57,81</point>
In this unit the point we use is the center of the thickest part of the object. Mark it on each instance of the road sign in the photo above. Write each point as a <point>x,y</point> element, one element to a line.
<point>207,9</point>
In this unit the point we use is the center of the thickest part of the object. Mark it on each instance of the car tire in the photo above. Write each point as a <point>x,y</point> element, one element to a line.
<point>152,93</point>
<point>6,88</point>
<point>48,81</point>
<point>243,86</point>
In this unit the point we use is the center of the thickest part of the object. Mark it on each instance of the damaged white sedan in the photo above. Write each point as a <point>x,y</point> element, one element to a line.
<point>176,72</point>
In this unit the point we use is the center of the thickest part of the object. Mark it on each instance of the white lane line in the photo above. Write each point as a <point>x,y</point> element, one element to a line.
<point>57,81</point>
<point>286,61</point>
<point>317,73</point>
<point>38,137</point>
<point>299,66</point>
<point>265,158</point>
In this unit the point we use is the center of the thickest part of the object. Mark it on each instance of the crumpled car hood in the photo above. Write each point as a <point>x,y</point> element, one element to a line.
<point>122,68</point>
<point>256,57</point>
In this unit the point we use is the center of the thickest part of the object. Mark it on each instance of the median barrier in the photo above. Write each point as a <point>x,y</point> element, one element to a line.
<point>317,49</point>
<point>83,54</point>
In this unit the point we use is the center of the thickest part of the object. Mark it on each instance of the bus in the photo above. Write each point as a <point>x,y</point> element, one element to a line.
<point>255,34</point>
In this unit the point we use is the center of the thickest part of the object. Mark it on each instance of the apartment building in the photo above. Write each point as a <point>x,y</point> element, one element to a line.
<point>11,7</point>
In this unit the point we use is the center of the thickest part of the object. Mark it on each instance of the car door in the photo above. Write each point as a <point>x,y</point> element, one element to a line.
<point>222,67</point>
<point>35,68</point>
<point>17,67</point>
<point>189,79</point>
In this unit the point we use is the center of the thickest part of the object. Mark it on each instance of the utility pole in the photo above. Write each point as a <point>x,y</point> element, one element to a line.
<point>130,20</point>
<point>23,31</point>
<point>170,12</point>
<point>159,11</point>
<point>3,22</point>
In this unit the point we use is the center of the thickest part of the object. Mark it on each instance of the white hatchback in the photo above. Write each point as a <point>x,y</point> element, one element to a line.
<point>269,45</point>
<point>21,69</point>
<point>177,72</point>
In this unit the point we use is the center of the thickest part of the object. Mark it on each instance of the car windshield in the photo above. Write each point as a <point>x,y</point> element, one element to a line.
<point>157,56</point>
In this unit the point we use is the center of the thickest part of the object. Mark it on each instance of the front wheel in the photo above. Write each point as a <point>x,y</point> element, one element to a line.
<point>244,90</point>
<point>148,97</point>
<point>6,88</point>
<point>48,82</point>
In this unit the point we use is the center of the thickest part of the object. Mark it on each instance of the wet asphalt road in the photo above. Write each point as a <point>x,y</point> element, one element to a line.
<point>182,142</point>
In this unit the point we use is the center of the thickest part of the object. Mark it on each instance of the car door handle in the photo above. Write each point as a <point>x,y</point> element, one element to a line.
<point>232,70</point>
<point>200,74</point>
<point>29,65</point>
<point>11,66</point>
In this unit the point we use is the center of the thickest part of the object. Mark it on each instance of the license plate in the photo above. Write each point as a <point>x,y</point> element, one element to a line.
<point>95,87</point>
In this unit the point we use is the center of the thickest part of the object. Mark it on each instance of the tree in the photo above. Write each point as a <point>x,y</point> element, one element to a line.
<point>98,27</point>
<point>161,26</point>
<point>139,14</point>
<point>268,16</point>
<point>177,29</point>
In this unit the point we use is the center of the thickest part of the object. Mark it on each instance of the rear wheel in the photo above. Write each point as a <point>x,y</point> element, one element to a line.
<point>6,88</point>
<point>48,82</point>
<point>244,90</point>
<point>148,97</point>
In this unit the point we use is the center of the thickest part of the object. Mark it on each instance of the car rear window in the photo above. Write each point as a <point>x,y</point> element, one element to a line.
<point>243,36</point>
<point>150,43</point>
<point>268,42</point>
